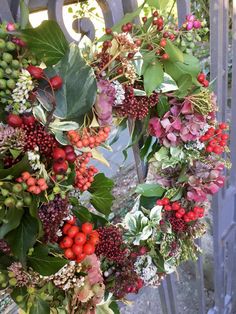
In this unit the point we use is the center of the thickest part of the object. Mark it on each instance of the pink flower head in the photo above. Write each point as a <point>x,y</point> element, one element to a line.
<point>154,127</point>
<point>105,100</point>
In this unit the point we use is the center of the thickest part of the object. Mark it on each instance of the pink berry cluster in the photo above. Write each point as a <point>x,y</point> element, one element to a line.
<point>191,23</point>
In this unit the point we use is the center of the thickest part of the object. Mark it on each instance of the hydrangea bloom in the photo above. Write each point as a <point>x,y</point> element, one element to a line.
<point>106,98</point>
<point>179,124</point>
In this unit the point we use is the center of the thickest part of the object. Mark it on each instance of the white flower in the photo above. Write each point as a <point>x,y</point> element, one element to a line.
<point>120,93</point>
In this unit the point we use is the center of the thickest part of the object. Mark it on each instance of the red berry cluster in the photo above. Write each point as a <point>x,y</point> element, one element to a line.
<point>35,186</point>
<point>136,107</point>
<point>37,136</point>
<point>84,174</point>
<point>88,137</point>
<point>111,244</point>
<point>202,79</point>
<point>179,211</point>
<point>126,28</point>
<point>61,157</point>
<point>76,243</point>
<point>215,139</point>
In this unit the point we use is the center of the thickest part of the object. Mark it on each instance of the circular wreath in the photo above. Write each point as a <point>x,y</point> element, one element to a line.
<point>60,253</point>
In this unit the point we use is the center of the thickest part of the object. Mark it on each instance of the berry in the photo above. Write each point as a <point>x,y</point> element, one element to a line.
<point>34,71</point>
<point>209,149</point>
<point>73,231</point>
<point>165,201</point>
<point>56,82</point>
<point>167,208</point>
<point>14,120</point>
<point>58,154</point>
<point>69,254</point>
<point>65,228</point>
<point>108,31</point>
<point>28,119</point>
<point>155,14</point>
<point>163,42</point>
<point>69,149</point>
<point>87,228</point>
<point>80,238</point>
<point>224,137</point>
<point>80,257</point>
<point>60,167</point>
<point>72,221</point>
<point>67,242</point>
<point>94,237</point>
<point>165,56</point>
<point>88,249</point>
<point>77,249</point>
<point>159,202</point>
<point>124,28</point>
<point>205,83</point>
<point>25,175</point>
<point>175,206</point>
<point>201,77</point>
<point>144,19</point>
<point>223,126</point>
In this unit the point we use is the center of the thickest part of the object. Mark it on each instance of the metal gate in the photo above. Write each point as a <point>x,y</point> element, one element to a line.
<point>223,52</point>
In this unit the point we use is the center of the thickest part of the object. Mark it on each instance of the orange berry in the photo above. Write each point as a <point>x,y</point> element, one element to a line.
<point>85,142</point>
<point>106,129</point>
<point>79,144</point>
<point>37,190</point>
<point>43,187</point>
<point>25,175</point>
<point>31,189</point>
<point>41,181</point>
<point>31,181</point>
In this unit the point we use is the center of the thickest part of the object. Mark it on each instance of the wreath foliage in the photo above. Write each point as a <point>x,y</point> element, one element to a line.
<point>59,251</point>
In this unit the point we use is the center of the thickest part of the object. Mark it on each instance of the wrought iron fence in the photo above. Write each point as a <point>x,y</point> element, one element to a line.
<point>223,33</point>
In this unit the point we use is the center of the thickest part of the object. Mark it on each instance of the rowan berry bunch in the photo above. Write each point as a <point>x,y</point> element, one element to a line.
<point>84,174</point>
<point>34,185</point>
<point>78,242</point>
<point>180,211</point>
<point>215,139</point>
<point>88,137</point>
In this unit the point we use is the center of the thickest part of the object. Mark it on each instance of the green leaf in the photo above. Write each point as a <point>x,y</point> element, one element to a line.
<point>129,17</point>
<point>12,218</point>
<point>148,57</point>
<point>15,153</point>
<point>45,264</point>
<point>147,189</point>
<point>168,84</point>
<point>154,3</point>
<point>71,177</point>
<point>190,65</point>
<point>147,202</point>
<point>153,77</point>
<point>24,14</point>
<point>101,196</point>
<point>175,54</point>
<point>163,106</point>
<point>184,82</point>
<point>21,291</point>
<point>39,306</point>
<point>114,307</point>
<point>16,170</point>
<point>79,90</point>
<point>47,41</point>
<point>84,215</point>
<point>24,237</point>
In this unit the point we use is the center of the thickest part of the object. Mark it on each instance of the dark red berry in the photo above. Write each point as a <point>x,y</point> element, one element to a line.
<point>35,72</point>
<point>28,119</point>
<point>14,120</point>
<point>56,82</point>
<point>60,167</point>
<point>58,154</point>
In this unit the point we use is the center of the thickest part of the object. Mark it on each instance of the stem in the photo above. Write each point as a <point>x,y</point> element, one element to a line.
<point>107,65</point>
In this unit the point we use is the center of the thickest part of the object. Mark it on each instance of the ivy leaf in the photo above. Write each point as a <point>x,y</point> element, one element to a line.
<point>47,41</point>
<point>101,196</point>
<point>153,77</point>
<point>163,106</point>
<point>23,238</point>
<point>39,306</point>
<point>184,82</point>
<point>17,169</point>
<point>147,202</point>
<point>149,190</point>
<point>73,99</point>
<point>175,54</point>
<point>13,218</point>
<point>45,264</point>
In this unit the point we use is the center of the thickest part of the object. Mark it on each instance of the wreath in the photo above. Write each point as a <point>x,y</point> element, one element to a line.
<point>59,251</point>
